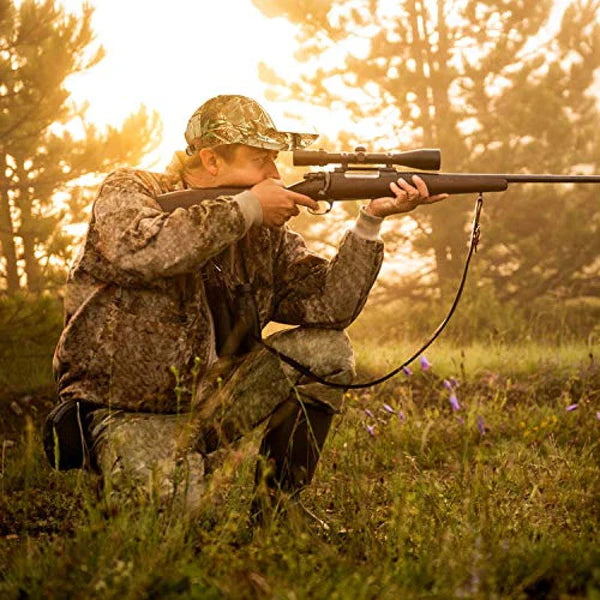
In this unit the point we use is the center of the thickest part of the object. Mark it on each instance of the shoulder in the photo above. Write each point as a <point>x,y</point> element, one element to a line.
<point>128,179</point>
<point>128,190</point>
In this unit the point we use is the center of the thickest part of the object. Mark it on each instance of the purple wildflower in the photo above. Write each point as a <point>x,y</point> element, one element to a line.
<point>454,401</point>
<point>454,382</point>
<point>371,430</point>
<point>402,416</point>
<point>425,364</point>
<point>407,371</point>
<point>388,409</point>
<point>447,385</point>
<point>480,425</point>
<point>598,415</point>
<point>369,413</point>
<point>571,407</point>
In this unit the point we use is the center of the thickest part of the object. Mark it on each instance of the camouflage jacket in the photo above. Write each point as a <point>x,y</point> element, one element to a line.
<point>135,305</point>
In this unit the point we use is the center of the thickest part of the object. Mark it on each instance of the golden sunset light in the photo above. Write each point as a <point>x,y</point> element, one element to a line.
<point>172,57</point>
<point>175,57</point>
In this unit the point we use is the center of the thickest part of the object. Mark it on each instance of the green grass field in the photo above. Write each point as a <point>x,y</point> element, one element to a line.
<point>498,499</point>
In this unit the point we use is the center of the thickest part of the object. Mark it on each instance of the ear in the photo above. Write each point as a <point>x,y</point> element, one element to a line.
<point>210,161</point>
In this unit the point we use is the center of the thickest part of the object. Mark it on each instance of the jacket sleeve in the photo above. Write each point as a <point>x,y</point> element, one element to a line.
<point>310,290</point>
<point>137,236</point>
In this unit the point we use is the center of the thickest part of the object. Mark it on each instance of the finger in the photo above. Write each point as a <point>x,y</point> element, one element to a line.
<point>405,185</point>
<point>434,199</point>
<point>411,191</point>
<point>411,194</point>
<point>421,186</point>
<point>303,200</point>
<point>291,209</point>
<point>399,191</point>
<point>396,188</point>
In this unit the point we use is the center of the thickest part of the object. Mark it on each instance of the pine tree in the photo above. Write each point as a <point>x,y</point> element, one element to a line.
<point>477,79</point>
<point>40,46</point>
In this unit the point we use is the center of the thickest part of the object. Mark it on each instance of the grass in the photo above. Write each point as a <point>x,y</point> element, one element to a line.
<point>480,358</point>
<point>496,500</point>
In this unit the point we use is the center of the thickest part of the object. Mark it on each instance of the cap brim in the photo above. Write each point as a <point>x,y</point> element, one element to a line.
<point>281,140</point>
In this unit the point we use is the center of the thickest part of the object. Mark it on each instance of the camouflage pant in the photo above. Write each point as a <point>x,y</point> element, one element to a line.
<point>165,455</point>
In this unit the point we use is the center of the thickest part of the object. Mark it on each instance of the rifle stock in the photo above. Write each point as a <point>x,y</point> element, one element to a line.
<point>356,186</point>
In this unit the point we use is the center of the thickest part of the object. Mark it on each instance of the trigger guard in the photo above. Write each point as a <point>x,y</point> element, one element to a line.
<point>323,212</point>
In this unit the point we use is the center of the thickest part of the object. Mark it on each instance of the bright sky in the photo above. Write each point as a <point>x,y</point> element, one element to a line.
<point>173,56</point>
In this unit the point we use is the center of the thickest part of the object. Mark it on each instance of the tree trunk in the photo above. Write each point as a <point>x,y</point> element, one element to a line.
<point>7,240</point>
<point>447,255</point>
<point>439,129</point>
<point>32,269</point>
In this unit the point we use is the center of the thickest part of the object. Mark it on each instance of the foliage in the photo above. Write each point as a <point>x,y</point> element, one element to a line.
<point>495,499</point>
<point>495,87</point>
<point>46,146</point>
<point>480,316</point>
<point>29,329</point>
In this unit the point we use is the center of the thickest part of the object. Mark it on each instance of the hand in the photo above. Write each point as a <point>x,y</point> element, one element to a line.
<point>406,198</point>
<point>278,204</point>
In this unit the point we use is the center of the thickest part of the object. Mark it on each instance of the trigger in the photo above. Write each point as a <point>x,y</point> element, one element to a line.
<point>324,207</point>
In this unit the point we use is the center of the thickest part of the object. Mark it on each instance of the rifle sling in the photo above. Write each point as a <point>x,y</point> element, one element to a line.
<point>474,240</point>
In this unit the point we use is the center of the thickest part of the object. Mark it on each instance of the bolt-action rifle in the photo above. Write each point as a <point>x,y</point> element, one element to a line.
<point>362,175</point>
<point>356,179</point>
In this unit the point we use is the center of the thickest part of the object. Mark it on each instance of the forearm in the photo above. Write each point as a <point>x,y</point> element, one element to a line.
<point>137,236</point>
<point>332,294</point>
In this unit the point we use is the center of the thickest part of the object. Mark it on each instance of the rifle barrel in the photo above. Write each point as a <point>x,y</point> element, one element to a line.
<point>552,178</point>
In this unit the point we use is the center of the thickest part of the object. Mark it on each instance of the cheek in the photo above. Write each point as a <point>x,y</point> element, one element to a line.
<point>248,176</point>
<point>259,173</point>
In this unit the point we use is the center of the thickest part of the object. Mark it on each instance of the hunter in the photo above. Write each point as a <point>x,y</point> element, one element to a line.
<point>159,364</point>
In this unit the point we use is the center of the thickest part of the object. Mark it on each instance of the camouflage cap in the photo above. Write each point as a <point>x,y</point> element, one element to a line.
<point>231,119</point>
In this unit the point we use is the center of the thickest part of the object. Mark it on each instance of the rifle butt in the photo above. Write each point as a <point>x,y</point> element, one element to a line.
<point>188,198</point>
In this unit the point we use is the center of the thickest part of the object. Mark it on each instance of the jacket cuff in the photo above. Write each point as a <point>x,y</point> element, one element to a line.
<point>367,226</point>
<point>250,207</point>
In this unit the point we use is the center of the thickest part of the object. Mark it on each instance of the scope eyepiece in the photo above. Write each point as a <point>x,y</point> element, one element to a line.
<point>427,159</point>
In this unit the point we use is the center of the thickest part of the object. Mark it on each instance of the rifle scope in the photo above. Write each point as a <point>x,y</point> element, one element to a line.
<point>428,159</point>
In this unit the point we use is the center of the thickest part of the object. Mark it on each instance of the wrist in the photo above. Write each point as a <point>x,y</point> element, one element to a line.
<point>251,208</point>
<point>367,226</point>
<point>372,212</point>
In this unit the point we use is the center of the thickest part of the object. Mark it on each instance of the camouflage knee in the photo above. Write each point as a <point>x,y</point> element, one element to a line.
<point>138,457</point>
<point>326,352</point>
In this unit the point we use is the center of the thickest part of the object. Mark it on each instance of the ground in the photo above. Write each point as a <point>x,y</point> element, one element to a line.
<point>494,495</point>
